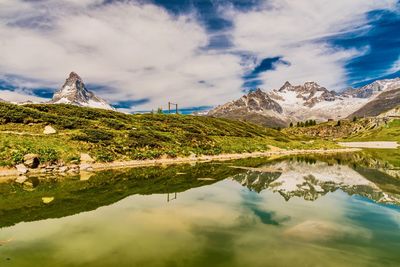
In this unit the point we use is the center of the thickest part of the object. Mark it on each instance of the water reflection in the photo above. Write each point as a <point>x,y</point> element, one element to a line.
<point>330,218</point>
<point>311,179</point>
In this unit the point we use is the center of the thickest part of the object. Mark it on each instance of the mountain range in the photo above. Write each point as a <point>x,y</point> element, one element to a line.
<point>293,103</point>
<point>311,181</point>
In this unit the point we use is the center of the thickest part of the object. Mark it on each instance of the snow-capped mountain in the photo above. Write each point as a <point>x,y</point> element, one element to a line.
<point>311,181</point>
<point>256,104</point>
<point>292,103</point>
<point>74,92</point>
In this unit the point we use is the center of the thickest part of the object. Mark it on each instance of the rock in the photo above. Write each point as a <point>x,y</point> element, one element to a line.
<point>85,167</point>
<point>86,158</point>
<point>47,200</point>
<point>63,169</point>
<point>49,130</point>
<point>192,155</point>
<point>31,160</point>
<point>21,168</point>
<point>21,179</point>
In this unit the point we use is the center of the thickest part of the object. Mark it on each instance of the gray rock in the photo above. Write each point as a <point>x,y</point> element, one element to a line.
<point>31,160</point>
<point>21,168</point>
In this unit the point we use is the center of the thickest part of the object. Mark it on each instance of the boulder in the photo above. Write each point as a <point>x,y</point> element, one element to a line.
<point>49,130</point>
<point>21,179</point>
<point>86,158</point>
<point>31,161</point>
<point>21,168</point>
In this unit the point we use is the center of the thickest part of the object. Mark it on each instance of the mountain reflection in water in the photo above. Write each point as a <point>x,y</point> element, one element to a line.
<point>297,211</point>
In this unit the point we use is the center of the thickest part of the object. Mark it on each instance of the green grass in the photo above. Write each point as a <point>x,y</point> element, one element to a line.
<point>388,132</point>
<point>108,135</point>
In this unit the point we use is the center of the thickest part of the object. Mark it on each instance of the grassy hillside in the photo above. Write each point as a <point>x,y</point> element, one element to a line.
<point>368,129</point>
<point>108,135</point>
<point>386,132</point>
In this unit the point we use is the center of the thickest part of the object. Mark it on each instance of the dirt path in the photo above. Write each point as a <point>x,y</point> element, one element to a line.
<point>372,144</point>
<point>6,173</point>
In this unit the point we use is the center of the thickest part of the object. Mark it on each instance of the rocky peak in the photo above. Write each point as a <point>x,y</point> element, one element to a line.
<point>286,86</point>
<point>373,88</point>
<point>74,92</point>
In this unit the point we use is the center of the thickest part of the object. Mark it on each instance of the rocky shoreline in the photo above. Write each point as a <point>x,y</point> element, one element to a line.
<point>88,164</point>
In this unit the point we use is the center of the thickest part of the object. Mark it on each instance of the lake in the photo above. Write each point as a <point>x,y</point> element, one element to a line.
<point>340,210</point>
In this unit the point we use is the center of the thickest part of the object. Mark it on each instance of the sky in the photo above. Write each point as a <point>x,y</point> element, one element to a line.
<point>140,54</point>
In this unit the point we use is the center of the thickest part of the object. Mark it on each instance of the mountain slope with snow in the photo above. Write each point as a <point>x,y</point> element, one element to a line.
<point>292,103</point>
<point>74,92</point>
<point>311,181</point>
<point>257,107</point>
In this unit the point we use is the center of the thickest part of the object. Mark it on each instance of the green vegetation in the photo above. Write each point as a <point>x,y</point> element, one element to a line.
<point>108,135</point>
<point>386,132</point>
<point>307,123</point>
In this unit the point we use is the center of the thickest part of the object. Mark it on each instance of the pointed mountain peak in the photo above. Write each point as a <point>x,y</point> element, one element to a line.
<point>285,86</point>
<point>74,92</point>
<point>74,76</point>
<point>258,91</point>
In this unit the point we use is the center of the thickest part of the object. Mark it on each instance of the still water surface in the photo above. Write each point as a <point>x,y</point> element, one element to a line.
<point>291,212</point>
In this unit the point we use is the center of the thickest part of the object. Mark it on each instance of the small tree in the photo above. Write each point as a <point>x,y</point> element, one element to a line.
<point>354,118</point>
<point>291,124</point>
<point>301,124</point>
<point>338,123</point>
<point>298,124</point>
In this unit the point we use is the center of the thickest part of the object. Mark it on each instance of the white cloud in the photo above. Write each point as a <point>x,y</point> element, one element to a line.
<point>143,52</point>
<point>18,96</point>
<point>295,30</point>
<point>140,50</point>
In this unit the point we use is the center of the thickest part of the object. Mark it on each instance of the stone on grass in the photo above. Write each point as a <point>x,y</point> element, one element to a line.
<point>31,161</point>
<point>49,130</point>
<point>21,168</point>
<point>86,158</point>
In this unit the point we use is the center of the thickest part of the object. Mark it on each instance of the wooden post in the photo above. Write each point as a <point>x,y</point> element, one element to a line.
<point>176,105</point>
<point>169,107</point>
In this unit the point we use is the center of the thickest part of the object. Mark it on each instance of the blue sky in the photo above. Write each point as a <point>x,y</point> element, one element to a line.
<point>139,55</point>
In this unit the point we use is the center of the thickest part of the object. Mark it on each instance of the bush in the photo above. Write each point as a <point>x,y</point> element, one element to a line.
<point>94,136</point>
<point>104,156</point>
<point>48,155</point>
<point>114,124</point>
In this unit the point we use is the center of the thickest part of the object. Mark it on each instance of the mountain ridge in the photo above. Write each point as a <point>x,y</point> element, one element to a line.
<point>293,103</point>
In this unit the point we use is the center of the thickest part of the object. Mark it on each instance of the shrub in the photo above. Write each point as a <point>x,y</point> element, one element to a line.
<point>94,136</point>
<point>104,156</point>
<point>48,155</point>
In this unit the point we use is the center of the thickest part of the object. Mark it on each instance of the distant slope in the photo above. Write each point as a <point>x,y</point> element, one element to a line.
<point>382,103</point>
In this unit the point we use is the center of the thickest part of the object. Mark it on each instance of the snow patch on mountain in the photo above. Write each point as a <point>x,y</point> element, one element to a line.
<point>292,103</point>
